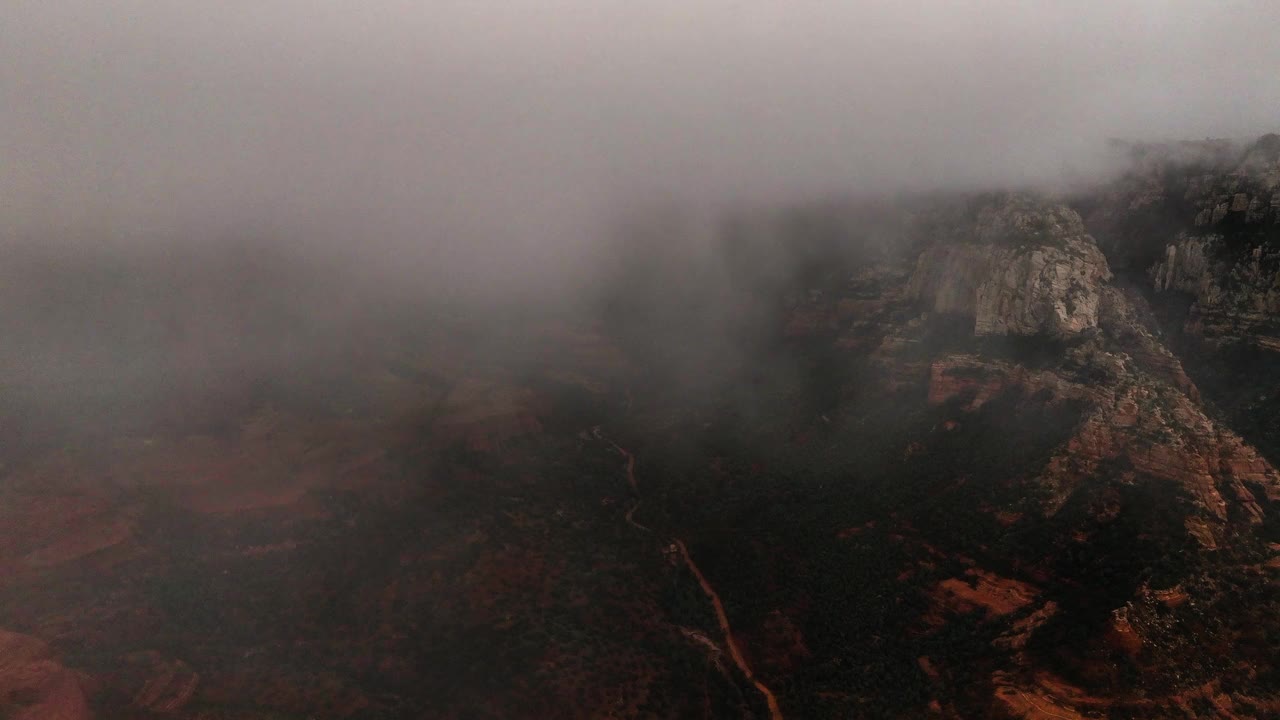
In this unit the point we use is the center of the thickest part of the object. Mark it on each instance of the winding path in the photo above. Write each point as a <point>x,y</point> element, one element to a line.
<point>631,478</point>
<point>775,712</point>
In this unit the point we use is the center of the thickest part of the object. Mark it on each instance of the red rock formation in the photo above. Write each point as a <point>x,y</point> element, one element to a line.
<point>158,684</point>
<point>1160,431</point>
<point>986,591</point>
<point>34,686</point>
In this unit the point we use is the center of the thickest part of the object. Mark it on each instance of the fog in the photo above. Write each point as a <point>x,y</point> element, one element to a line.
<point>197,196</point>
<point>471,144</point>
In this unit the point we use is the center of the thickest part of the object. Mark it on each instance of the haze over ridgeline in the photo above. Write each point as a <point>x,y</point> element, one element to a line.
<point>191,192</point>
<point>639,358</point>
<point>487,147</point>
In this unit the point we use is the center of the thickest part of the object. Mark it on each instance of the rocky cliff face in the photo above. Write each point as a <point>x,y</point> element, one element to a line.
<point>1140,412</point>
<point>1201,188</point>
<point>1236,296</point>
<point>1199,225</point>
<point>1017,266</point>
<point>1106,505</point>
<point>1198,218</point>
<point>1246,195</point>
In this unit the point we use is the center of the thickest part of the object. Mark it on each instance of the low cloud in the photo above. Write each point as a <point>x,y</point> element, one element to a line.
<point>493,143</point>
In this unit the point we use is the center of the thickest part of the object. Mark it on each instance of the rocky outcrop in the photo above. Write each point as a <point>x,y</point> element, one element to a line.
<point>1203,220</point>
<point>1021,267</point>
<point>1132,420</point>
<point>162,685</point>
<point>1248,194</point>
<point>34,685</point>
<point>1236,294</point>
<point>983,591</point>
<point>1185,267</point>
<point>1199,223</point>
<point>1201,188</point>
<point>1129,321</point>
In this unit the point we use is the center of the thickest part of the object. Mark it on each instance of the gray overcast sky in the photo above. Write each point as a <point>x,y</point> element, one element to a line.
<point>485,132</point>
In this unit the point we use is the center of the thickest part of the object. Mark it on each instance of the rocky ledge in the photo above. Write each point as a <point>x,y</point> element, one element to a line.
<point>1016,264</point>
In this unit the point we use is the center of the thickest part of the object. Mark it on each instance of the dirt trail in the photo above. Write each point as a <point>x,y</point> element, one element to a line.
<point>734,652</point>
<point>775,712</point>
<point>631,478</point>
